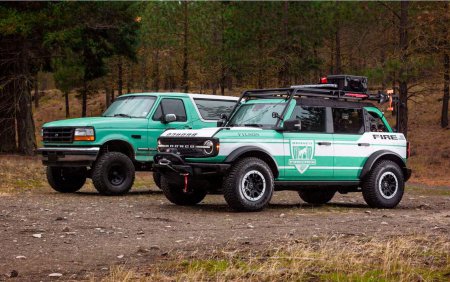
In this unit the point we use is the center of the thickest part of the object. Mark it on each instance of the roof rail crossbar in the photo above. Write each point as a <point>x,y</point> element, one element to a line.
<point>325,86</point>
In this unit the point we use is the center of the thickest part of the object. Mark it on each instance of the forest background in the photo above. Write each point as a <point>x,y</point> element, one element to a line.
<point>71,59</point>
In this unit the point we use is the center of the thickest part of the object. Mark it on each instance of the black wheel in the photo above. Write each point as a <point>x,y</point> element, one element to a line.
<point>249,185</point>
<point>176,195</point>
<point>66,179</point>
<point>113,174</point>
<point>317,196</point>
<point>384,186</point>
<point>157,179</point>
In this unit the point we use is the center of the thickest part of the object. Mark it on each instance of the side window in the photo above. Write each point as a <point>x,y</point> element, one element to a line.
<point>376,124</point>
<point>212,109</point>
<point>312,118</point>
<point>171,106</point>
<point>348,121</point>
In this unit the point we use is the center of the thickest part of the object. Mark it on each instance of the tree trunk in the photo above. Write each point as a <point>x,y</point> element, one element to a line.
<point>284,70</point>
<point>24,116</point>
<point>332,57</point>
<point>222,50</point>
<point>214,88</point>
<point>230,83</point>
<point>403,79</point>
<point>445,98</point>
<point>338,68</point>
<point>185,83</point>
<point>337,38</point>
<point>119,77</point>
<point>7,122</point>
<point>36,91</point>
<point>316,60</point>
<point>144,74</point>
<point>66,98</point>
<point>129,79</point>
<point>155,73</point>
<point>25,123</point>
<point>84,98</point>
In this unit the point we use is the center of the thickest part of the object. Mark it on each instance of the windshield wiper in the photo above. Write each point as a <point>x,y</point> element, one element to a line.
<point>253,125</point>
<point>122,115</point>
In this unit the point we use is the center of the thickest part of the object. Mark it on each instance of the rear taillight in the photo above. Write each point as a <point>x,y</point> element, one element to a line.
<point>408,150</point>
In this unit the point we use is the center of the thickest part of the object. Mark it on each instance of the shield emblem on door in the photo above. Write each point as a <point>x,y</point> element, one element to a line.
<point>302,154</point>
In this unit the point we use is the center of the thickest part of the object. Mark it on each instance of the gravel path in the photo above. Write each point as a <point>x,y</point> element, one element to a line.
<point>78,235</point>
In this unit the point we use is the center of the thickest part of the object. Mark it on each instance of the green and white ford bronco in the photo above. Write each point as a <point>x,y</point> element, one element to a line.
<point>313,139</point>
<point>110,148</point>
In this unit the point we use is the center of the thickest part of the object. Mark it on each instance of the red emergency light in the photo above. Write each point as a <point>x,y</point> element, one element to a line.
<point>356,95</point>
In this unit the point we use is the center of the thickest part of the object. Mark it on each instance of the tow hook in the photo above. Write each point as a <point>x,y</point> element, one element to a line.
<point>165,162</point>
<point>186,175</point>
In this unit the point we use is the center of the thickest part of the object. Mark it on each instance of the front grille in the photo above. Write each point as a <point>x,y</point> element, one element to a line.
<point>58,134</point>
<point>183,146</point>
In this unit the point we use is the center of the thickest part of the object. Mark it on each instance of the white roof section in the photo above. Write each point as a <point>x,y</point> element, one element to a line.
<point>212,97</point>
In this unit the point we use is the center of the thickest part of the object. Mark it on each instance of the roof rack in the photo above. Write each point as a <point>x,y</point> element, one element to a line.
<point>356,91</point>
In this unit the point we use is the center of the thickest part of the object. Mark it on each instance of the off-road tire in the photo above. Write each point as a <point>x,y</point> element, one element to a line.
<point>113,174</point>
<point>175,194</point>
<point>66,179</point>
<point>373,191</point>
<point>317,196</point>
<point>157,178</point>
<point>234,185</point>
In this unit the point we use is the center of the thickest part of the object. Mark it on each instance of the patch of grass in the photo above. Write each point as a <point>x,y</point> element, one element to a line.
<point>19,173</point>
<point>330,259</point>
<point>428,191</point>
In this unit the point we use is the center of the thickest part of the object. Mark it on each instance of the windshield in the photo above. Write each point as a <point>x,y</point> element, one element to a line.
<point>257,115</point>
<point>132,106</point>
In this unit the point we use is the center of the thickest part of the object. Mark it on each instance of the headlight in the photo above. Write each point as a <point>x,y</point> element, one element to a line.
<point>208,147</point>
<point>84,134</point>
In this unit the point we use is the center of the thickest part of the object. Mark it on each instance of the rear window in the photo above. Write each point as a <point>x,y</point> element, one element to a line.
<point>212,109</point>
<point>348,121</point>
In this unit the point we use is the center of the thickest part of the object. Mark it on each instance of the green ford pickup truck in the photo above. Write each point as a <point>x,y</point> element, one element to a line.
<point>110,148</point>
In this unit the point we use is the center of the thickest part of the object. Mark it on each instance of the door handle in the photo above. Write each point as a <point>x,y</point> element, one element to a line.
<point>364,144</point>
<point>324,143</point>
<point>187,127</point>
<point>136,136</point>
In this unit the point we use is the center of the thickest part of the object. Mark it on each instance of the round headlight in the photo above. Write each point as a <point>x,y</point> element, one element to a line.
<point>210,145</point>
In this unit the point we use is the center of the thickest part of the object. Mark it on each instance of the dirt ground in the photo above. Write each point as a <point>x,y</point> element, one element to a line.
<point>82,235</point>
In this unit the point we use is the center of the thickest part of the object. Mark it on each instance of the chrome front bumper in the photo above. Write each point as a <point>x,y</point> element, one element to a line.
<point>68,156</point>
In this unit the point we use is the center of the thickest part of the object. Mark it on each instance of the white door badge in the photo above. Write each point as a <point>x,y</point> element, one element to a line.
<point>302,153</point>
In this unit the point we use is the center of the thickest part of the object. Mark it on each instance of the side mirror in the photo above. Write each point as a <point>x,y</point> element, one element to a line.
<point>169,118</point>
<point>222,121</point>
<point>292,125</point>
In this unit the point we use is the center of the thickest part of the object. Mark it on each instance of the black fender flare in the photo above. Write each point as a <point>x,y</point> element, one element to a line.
<point>254,151</point>
<point>384,154</point>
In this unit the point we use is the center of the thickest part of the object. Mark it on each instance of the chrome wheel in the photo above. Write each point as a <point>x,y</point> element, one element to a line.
<point>388,185</point>
<point>253,185</point>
